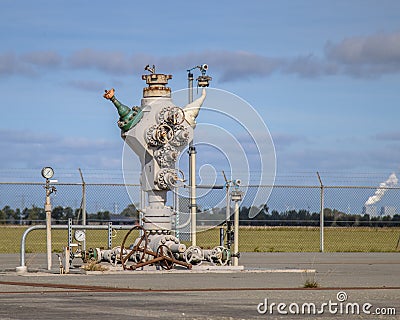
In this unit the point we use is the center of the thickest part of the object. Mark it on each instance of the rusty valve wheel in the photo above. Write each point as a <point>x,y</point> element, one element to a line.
<point>175,116</point>
<point>164,133</point>
<point>137,252</point>
<point>167,263</point>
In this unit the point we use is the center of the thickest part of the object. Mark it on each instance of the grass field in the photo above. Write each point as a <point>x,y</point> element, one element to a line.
<point>251,239</point>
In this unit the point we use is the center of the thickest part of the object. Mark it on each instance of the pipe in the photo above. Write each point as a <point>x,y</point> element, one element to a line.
<point>192,182</point>
<point>236,232</point>
<point>23,268</point>
<point>321,219</point>
<point>83,205</point>
<point>47,209</point>
<point>193,108</point>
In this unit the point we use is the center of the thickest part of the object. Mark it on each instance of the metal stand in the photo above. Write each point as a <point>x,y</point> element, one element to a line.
<point>47,208</point>
<point>202,81</point>
<point>236,197</point>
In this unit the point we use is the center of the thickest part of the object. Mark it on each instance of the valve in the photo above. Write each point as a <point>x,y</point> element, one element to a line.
<point>181,136</point>
<point>171,115</point>
<point>164,133</point>
<point>159,134</point>
<point>220,256</point>
<point>194,255</point>
<point>169,178</point>
<point>166,156</point>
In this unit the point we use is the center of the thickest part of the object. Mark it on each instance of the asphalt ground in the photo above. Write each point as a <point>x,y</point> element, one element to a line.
<point>362,278</point>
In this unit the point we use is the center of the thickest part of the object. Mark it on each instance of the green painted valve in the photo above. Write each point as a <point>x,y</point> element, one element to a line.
<point>128,118</point>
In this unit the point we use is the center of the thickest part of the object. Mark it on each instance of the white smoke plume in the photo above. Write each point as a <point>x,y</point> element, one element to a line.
<point>390,182</point>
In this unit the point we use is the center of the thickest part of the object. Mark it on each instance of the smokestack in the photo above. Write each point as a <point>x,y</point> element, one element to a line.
<point>390,182</point>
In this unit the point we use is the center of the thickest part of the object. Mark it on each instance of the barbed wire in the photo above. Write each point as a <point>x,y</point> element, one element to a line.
<point>103,175</point>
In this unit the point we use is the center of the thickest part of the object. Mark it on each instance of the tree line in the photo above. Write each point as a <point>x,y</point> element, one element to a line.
<point>301,217</point>
<point>265,217</point>
<point>59,214</point>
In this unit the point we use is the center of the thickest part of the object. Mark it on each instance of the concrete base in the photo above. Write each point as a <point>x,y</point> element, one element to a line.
<point>204,267</point>
<point>21,269</point>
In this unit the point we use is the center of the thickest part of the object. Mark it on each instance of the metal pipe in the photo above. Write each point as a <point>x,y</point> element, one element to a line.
<point>142,204</point>
<point>192,173</point>
<point>236,232</point>
<point>192,182</point>
<point>110,230</point>
<point>83,206</point>
<point>67,253</point>
<point>23,239</point>
<point>176,210</point>
<point>47,209</point>
<point>321,216</point>
<point>190,86</point>
<point>22,266</point>
<point>228,203</point>
<point>69,233</point>
<point>221,236</point>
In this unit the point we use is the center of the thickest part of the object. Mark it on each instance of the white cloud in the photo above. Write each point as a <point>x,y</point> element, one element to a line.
<point>29,149</point>
<point>361,56</point>
<point>365,56</point>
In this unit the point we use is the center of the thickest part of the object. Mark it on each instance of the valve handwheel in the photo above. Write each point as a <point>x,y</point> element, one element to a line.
<point>168,262</point>
<point>139,250</point>
<point>220,256</point>
<point>194,255</point>
<point>164,133</point>
<point>176,116</point>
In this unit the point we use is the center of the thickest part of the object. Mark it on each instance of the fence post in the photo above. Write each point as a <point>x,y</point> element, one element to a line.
<point>69,233</point>
<point>110,230</point>
<point>321,216</point>
<point>83,206</point>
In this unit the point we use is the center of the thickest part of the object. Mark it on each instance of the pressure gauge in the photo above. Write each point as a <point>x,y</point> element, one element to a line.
<point>80,235</point>
<point>47,172</point>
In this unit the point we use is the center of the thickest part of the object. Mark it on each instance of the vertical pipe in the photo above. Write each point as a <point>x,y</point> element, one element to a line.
<point>321,215</point>
<point>190,86</point>
<point>83,206</point>
<point>228,203</point>
<point>47,209</point>
<point>69,233</point>
<point>67,253</point>
<point>192,173</point>
<point>109,235</point>
<point>221,236</point>
<point>322,221</point>
<point>176,209</point>
<point>236,233</point>
<point>142,204</point>
<point>192,182</point>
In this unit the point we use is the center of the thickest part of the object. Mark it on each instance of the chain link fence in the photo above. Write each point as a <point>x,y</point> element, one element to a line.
<point>287,219</point>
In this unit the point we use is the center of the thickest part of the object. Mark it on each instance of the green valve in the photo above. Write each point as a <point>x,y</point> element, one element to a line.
<point>128,117</point>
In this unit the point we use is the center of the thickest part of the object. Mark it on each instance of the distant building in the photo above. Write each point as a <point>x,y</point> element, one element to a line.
<point>370,210</point>
<point>120,219</point>
<point>387,211</point>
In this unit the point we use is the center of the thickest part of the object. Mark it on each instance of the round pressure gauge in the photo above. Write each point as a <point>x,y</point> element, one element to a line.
<point>47,172</point>
<point>80,235</point>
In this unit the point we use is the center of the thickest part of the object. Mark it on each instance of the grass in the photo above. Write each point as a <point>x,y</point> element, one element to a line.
<point>251,239</point>
<point>310,283</point>
<point>94,266</point>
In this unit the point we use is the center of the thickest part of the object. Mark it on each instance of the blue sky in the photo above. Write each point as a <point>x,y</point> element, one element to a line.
<point>323,75</point>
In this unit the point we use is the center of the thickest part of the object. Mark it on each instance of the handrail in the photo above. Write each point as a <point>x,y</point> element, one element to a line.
<point>75,226</point>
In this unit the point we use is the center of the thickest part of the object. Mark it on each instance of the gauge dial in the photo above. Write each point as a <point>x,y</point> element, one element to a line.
<point>80,235</point>
<point>47,172</point>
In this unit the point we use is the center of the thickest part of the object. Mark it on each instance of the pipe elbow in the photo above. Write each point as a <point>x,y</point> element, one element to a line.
<point>192,109</point>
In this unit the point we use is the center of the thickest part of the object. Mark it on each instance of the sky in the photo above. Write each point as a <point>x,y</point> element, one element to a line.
<point>323,75</point>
